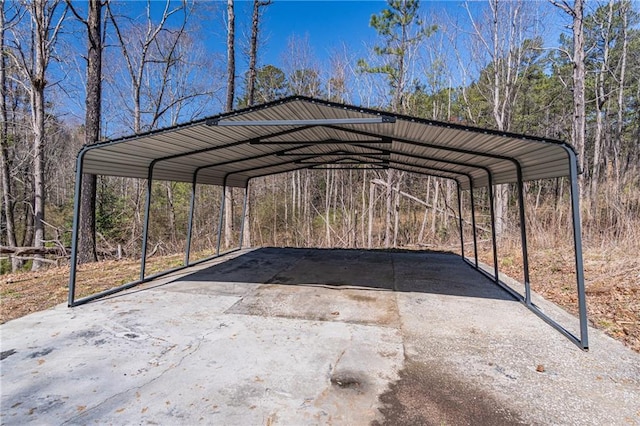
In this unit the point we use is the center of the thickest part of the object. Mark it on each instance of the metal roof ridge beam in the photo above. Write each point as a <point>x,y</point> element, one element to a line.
<point>258,141</point>
<point>382,119</point>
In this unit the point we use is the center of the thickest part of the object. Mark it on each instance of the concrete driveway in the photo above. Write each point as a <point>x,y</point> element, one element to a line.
<point>301,336</point>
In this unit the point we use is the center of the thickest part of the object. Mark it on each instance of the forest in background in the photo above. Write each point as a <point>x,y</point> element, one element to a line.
<point>126,73</point>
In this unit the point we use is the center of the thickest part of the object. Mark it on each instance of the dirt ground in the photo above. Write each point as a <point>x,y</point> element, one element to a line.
<point>612,285</point>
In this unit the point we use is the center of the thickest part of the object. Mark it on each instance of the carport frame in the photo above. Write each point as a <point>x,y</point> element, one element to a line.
<point>336,124</point>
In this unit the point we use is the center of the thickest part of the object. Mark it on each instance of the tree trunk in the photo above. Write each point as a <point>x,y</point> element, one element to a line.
<point>579,121</point>
<point>253,52</point>
<point>171,213</point>
<point>228,217</point>
<point>327,207</point>
<point>38,84</point>
<point>231,55</point>
<point>93,114</point>
<point>435,207</point>
<point>285,202</point>
<point>396,212</point>
<point>600,100</point>
<point>307,202</point>
<point>501,197</point>
<point>372,195</point>
<point>363,205</point>
<point>388,227</point>
<point>246,226</point>
<point>37,101</point>
<point>426,211</point>
<point>622,79</point>
<point>7,195</point>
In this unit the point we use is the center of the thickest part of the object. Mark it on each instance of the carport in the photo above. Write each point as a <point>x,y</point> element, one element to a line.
<point>231,149</point>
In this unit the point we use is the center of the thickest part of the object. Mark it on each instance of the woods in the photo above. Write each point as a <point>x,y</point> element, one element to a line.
<point>76,73</point>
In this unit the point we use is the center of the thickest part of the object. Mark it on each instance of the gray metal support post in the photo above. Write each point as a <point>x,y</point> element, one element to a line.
<point>74,233</point>
<point>145,229</point>
<point>523,236</point>
<point>244,214</point>
<point>224,193</point>
<point>493,228</point>
<point>473,223</point>
<point>577,245</point>
<point>460,219</point>
<point>192,204</point>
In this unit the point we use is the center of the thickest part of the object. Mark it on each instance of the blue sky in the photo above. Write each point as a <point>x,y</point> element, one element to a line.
<point>328,24</point>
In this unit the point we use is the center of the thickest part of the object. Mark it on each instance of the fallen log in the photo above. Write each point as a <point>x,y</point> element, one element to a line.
<point>26,251</point>
<point>39,259</point>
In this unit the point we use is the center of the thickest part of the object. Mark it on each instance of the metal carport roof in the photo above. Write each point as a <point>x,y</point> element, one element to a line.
<point>300,132</point>
<point>287,134</point>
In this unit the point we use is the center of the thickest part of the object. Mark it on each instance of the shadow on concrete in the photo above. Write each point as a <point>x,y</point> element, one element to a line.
<point>386,270</point>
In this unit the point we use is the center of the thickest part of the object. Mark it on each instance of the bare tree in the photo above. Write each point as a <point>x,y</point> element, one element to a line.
<point>301,68</point>
<point>338,82</point>
<point>579,106</point>
<point>138,56</point>
<point>7,193</point>
<point>624,11</point>
<point>33,63</point>
<point>231,54</point>
<point>601,96</point>
<point>231,72</point>
<point>93,115</point>
<point>169,78</point>
<point>503,46</point>
<point>253,48</point>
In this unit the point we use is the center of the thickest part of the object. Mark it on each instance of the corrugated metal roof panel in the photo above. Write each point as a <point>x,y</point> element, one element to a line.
<point>245,151</point>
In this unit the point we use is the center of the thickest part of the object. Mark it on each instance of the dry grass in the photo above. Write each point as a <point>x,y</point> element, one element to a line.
<point>612,281</point>
<point>25,292</point>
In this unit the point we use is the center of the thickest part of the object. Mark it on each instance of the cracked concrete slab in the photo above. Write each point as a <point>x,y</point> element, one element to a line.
<point>302,336</point>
